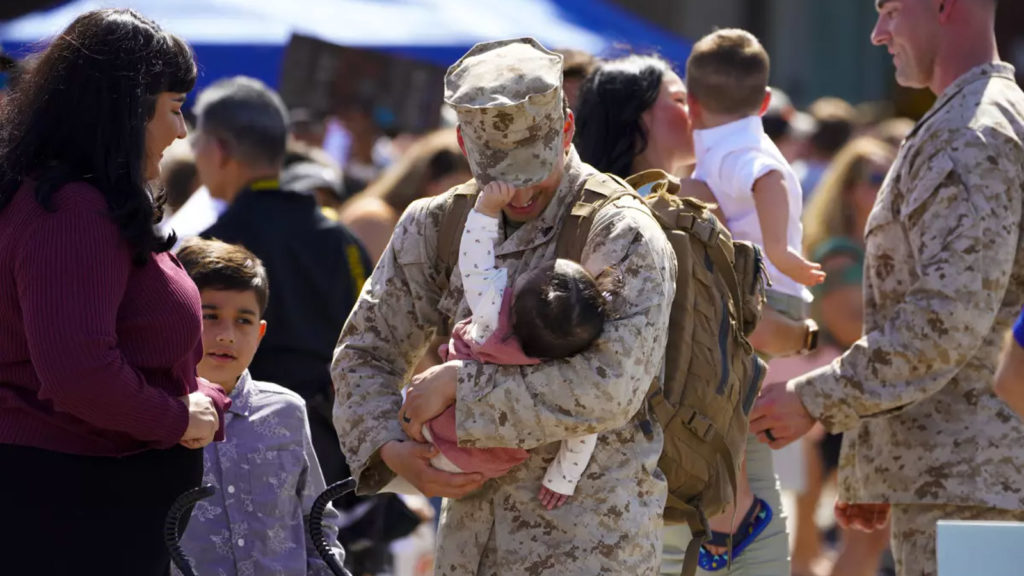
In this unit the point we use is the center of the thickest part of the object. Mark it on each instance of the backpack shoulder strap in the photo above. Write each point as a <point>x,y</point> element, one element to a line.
<point>709,232</point>
<point>599,191</point>
<point>463,197</point>
<point>663,181</point>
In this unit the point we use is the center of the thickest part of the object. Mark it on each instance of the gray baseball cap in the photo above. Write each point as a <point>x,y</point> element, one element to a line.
<point>508,99</point>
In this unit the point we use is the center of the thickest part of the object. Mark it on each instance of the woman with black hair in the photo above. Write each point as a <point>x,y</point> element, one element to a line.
<point>632,117</point>
<point>101,411</point>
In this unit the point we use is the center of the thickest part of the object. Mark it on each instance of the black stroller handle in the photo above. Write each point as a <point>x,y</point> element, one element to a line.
<point>172,525</point>
<point>316,523</point>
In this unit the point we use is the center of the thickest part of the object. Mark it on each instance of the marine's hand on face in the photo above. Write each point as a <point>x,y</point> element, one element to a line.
<point>495,196</point>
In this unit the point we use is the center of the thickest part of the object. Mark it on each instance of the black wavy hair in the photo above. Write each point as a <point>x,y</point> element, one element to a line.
<point>609,130</point>
<point>560,310</point>
<point>80,114</point>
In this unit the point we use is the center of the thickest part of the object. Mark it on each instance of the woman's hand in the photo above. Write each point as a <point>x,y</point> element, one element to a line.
<point>202,420</point>
<point>429,394</point>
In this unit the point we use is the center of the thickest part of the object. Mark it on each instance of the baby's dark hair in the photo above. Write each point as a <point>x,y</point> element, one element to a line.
<point>216,265</point>
<point>559,311</point>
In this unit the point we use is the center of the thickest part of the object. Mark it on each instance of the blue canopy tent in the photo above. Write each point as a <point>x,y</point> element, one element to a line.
<point>249,36</point>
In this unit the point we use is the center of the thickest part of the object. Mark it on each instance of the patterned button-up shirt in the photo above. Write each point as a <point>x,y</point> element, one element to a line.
<point>943,281</point>
<point>267,476</point>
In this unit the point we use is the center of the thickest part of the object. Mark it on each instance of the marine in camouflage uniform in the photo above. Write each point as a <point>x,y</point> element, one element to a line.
<point>509,101</point>
<point>943,282</point>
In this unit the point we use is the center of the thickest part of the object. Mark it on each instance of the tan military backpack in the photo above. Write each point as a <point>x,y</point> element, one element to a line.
<point>712,375</point>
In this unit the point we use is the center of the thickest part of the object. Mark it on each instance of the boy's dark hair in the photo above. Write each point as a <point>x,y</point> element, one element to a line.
<point>216,265</point>
<point>560,311</point>
<point>727,72</point>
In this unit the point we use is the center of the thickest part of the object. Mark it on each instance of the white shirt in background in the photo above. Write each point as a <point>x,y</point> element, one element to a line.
<point>730,158</point>
<point>197,214</point>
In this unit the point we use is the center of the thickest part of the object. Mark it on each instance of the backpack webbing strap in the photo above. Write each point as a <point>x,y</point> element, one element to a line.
<point>599,191</point>
<point>707,231</point>
<point>450,234</point>
<point>706,431</point>
<point>728,273</point>
<point>699,533</point>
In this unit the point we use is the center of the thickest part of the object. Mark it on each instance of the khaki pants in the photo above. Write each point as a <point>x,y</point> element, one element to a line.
<point>768,555</point>
<point>914,532</point>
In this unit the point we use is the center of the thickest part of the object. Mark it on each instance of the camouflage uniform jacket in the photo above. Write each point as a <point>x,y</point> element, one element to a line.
<point>612,524</point>
<point>943,281</point>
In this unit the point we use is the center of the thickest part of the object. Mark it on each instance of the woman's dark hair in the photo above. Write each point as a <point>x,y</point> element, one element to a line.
<point>609,129</point>
<point>561,310</point>
<point>80,114</point>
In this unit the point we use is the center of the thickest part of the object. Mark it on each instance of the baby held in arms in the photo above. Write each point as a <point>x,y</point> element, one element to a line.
<point>551,312</point>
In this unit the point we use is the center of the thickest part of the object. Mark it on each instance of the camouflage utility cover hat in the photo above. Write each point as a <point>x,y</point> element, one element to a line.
<point>508,97</point>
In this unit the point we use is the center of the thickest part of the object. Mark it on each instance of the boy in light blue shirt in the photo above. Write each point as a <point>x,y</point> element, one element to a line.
<point>266,472</point>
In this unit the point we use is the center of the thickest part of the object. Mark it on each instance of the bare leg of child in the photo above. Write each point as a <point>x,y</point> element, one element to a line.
<point>727,522</point>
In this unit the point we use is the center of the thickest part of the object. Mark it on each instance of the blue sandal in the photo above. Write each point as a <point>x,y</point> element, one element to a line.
<point>757,518</point>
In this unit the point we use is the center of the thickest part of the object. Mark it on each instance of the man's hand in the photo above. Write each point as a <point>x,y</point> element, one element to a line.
<point>779,417</point>
<point>429,394</point>
<point>202,420</point>
<point>863,517</point>
<point>411,460</point>
<point>493,198</point>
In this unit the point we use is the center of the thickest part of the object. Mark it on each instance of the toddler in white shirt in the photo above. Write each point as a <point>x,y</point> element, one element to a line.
<point>760,201</point>
<point>754,186</point>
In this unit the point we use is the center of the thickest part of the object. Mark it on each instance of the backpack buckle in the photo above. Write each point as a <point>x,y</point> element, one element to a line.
<point>700,425</point>
<point>704,231</point>
<point>700,229</point>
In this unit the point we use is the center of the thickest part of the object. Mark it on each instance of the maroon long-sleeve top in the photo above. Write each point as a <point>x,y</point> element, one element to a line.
<point>94,352</point>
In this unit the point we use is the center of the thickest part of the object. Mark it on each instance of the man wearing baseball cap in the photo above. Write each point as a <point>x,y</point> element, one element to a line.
<point>514,127</point>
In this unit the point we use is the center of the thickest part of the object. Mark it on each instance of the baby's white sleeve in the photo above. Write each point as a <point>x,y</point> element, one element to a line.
<point>567,468</point>
<point>484,284</point>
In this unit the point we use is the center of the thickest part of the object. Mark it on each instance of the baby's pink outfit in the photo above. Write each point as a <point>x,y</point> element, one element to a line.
<point>501,347</point>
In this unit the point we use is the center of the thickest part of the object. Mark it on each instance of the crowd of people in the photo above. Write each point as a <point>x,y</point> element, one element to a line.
<point>499,313</point>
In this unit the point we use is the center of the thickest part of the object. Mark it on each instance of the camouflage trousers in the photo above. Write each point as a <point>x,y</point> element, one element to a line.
<point>914,529</point>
